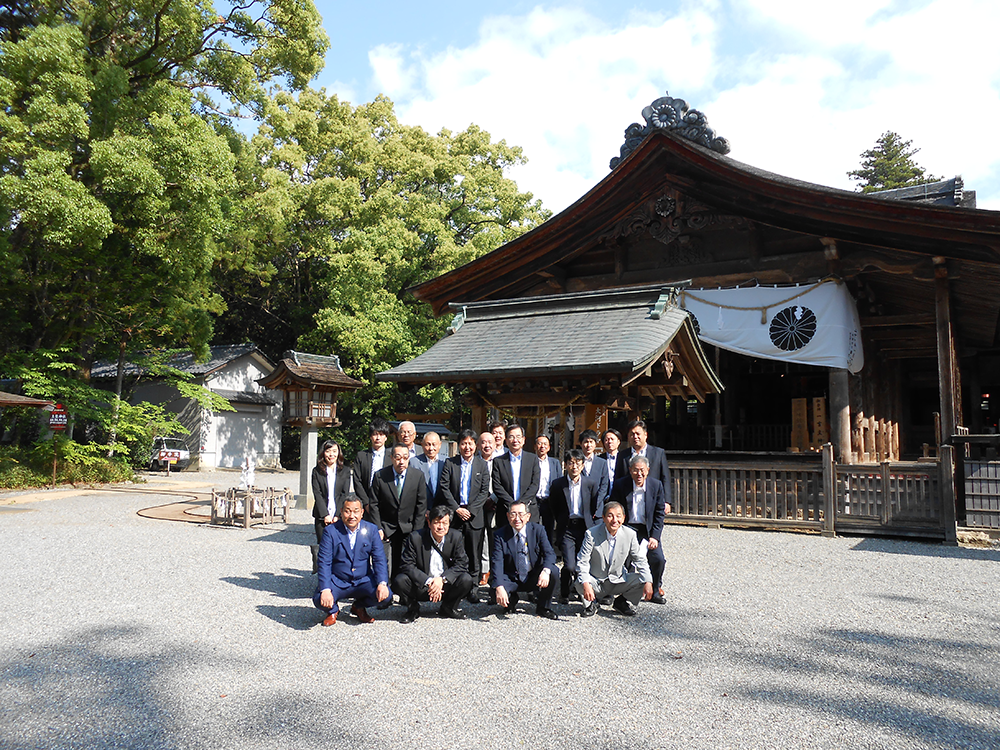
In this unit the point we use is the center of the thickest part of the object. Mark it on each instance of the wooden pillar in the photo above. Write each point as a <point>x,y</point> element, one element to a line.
<point>478,419</point>
<point>947,365</point>
<point>840,414</point>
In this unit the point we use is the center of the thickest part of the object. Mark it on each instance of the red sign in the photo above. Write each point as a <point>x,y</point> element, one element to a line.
<point>58,418</point>
<point>171,456</point>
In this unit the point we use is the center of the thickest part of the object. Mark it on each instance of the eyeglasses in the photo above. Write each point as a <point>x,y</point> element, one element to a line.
<point>512,514</point>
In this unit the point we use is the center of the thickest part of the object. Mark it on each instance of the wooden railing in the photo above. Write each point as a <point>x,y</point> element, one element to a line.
<point>770,495</point>
<point>909,499</point>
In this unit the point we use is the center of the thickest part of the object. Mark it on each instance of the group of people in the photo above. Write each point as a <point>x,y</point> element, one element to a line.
<point>405,520</point>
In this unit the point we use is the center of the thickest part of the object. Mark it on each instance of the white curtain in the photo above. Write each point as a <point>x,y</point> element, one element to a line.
<point>814,324</point>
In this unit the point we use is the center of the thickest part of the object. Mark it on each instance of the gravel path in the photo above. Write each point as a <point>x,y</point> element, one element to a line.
<point>121,631</point>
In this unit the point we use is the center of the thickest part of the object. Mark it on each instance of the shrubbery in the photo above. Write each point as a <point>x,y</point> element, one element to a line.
<point>32,467</point>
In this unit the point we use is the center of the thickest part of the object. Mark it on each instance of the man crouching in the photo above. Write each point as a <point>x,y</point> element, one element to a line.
<point>351,564</point>
<point>603,565</point>
<point>435,567</point>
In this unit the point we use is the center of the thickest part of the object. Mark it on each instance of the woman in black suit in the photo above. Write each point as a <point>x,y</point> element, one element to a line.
<point>331,480</point>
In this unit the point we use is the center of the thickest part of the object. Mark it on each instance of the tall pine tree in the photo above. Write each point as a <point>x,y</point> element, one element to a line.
<point>889,165</point>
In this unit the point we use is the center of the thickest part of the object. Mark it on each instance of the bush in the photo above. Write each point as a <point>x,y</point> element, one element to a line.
<point>21,469</point>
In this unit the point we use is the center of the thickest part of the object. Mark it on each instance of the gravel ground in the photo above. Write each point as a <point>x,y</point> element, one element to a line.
<point>122,631</point>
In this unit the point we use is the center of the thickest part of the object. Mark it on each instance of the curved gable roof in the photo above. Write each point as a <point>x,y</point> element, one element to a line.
<point>666,161</point>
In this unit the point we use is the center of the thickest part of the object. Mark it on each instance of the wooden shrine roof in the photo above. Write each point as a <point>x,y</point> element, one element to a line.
<point>313,371</point>
<point>666,161</point>
<point>567,338</point>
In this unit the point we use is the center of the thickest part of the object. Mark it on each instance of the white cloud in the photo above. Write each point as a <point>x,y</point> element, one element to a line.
<point>799,89</point>
<point>560,84</point>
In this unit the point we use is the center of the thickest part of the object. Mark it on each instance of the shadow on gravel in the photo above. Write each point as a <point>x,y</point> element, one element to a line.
<point>925,549</point>
<point>109,687</point>
<point>294,533</point>
<point>292,584</point>
<point>296,618</point>
<point>937,691</point>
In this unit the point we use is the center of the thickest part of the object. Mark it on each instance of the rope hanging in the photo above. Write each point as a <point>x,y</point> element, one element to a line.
<point>763,309</point>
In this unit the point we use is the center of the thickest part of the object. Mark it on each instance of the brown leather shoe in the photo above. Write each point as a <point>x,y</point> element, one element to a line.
<point>362,614</point>
<point>485,579</point>
<point>330,619</point>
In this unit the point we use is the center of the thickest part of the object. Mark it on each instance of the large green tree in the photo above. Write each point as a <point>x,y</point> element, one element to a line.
<point>889,164</point>
<point>353,209</point>
<point>116,168</point>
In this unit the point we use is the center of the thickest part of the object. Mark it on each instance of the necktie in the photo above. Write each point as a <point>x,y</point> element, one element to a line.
<point>399,484</point>
<point>522,557</point>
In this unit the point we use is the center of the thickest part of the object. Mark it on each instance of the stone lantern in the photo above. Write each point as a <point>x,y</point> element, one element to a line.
<point>310,384</point>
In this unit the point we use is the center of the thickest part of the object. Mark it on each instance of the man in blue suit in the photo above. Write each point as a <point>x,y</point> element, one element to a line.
<point>642,498</point>
<point>639,446</point>
<point>352,564</point>
<point>523,560</point>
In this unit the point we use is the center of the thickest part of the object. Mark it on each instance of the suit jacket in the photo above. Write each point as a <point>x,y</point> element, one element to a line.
<point>555,471</point>
<point>503,484</point>
<point>450,488</point>
<point>503,564</point>
<point>341,566</point>
<point>653,503</point>
<point>595,563</point>
<point>560,503</point>
<point>417,556</point>
<point>400,514</point>
<point>421,462</point>
<point>658,468</point>
<point>599,473</point>
<point>362,472</point>
<point>321,485</point>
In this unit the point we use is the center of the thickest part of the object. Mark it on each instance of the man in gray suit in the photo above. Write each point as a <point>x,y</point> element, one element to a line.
<point>612,563</point>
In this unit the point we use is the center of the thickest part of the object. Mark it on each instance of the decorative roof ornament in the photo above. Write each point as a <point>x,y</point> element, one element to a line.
<point>667,113</point>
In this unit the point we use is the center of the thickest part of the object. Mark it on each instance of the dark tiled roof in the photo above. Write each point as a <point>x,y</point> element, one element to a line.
<point>588,333</point>
<point>219,357</point>
<point>245,397</point>
<point>941,193</point>
<point>310,369</point>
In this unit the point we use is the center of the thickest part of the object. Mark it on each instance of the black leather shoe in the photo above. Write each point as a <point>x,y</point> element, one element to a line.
<point>564,600</point>
<point>412,613</point>
<point>591,609</point>
<point>658,599</point>
<point>606,600</point>
<point>624,606</point>
<point>473,597</point>
<point>548,614</point>
<point>512,601</point>
<point>451,614</point>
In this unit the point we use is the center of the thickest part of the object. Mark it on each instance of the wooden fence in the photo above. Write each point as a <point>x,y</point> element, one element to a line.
<point>893,498</point>
<point>982,493</point>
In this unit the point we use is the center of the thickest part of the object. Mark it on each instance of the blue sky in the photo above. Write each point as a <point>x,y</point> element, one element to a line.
<point>799,88</point>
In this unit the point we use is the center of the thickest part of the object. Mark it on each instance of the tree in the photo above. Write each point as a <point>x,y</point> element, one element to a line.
<point>116,170</point>
<point>356,209</point>
<point>889,165</point>
<point>117,167</point>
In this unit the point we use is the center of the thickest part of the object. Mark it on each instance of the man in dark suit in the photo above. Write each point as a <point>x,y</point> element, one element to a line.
<point>515,475</point>
<point>638,446</point>
<point>595,467</point>
<point>399,504</point>
<point>430,464</point>
<point>576,502</point>
<point>435,568</point>
<point>464,488</point>
<point>523,560</point>
<point>612,440</point>
<point>371,460</point>
<point>549,469</point>
<point>351,564</point>
<point>642,498</point>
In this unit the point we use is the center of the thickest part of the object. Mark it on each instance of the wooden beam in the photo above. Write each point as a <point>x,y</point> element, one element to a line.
<point>897,320</point>
<point>947,366</point>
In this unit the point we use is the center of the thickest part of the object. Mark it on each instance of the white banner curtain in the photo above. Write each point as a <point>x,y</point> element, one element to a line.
<point>814,324</point>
